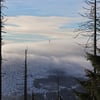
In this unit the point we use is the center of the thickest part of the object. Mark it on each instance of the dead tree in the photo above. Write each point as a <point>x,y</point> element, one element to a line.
<point>95,30</point>
<point>91,27</point>
<point>0,71</point>
<point>1,18</point>
<point>25,77</point>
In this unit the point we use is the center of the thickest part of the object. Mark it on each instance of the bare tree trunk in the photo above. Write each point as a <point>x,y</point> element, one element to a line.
<point>25,77</point>
<point>0,53</point>
<point>95,41</point>
<point>33,96</point>
<point>58,90</point>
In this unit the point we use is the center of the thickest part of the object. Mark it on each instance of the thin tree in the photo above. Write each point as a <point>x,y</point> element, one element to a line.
<point>95,31</point>
<point>59,97</point>
<point>33,96</point>
<point>1,17</point>
<point>0,54</point>
<point>2,21</point>
<point>25,77</point>
<point>22,87</point>
<point>91,27</point>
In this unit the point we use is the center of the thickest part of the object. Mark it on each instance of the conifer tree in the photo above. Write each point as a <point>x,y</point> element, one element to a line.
<point>92,84</point>
<point>1,25</point>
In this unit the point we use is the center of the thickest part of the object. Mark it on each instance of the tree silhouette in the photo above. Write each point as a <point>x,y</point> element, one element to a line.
<point>22,80</point>
<point>0,53</point>
<point>1,26</point>
<point>91,27</point>
<point>25,77</point>
<point>92,83</point>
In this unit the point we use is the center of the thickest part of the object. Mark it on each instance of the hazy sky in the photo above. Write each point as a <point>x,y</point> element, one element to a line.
<point>41,19</point>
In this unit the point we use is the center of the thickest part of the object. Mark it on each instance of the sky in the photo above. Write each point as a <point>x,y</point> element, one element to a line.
<point>68,8</point>
<point>40,19</point>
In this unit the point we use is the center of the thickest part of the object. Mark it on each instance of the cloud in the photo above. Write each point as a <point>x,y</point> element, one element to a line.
<point>57,51</point>
<point>49,26</point>
<point>43,57</point>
